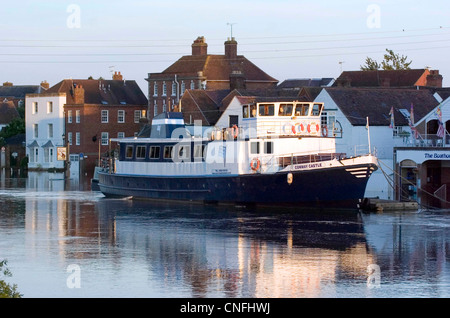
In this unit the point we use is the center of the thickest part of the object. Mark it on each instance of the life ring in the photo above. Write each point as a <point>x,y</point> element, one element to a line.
<point>313,126</point>
<point>324,131</point>
<point>293,128</point>
<point>235,131</point>
<point>255,164</point>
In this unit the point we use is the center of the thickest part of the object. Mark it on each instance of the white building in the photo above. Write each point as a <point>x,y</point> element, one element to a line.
<point>347,109</point>
<point>44,129</point>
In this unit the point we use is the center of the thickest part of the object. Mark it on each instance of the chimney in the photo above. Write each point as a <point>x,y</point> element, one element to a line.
<point>199,47</point>
<point>7,84</point>
<point>45,85</point>
<point>231,48</point>
<point>434,79</point>
<point>78,94</point>
<point>117,76</point>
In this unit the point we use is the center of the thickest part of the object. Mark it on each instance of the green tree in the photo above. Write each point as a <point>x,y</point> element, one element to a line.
<point>391,61</point>
<point>7,290</point>
<point>15,127</point>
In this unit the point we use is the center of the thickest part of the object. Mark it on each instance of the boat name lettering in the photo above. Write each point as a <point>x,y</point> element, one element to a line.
<point>221,171</point>
<point>308,166</point>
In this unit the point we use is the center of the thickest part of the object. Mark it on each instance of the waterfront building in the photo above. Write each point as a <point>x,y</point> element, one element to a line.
<point>204,71</point>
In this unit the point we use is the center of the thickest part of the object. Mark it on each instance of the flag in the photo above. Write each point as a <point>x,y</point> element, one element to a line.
<point>441,130</point>
<point>391,125</point>
<point>411,123</point>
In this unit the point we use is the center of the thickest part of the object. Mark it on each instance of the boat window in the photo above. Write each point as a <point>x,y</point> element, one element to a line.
<point>129,152</point>
<point>268,147</point>
<point>199,151</point>
<point>252,110</point>
<point>254,147</point>
<point>168,152</point>
<point>140,152</point>
<point>317,109</point>
<point>245,113</point>
<point>301,110</point>
<point>184,152</point>
<point>266,109</point>
<point>285,110</point>
<point>154,152</point>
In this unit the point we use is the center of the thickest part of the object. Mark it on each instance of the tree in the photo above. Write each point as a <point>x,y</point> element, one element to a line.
<point>391,61</point>
<point>7,290</point>
<point>15,127</point>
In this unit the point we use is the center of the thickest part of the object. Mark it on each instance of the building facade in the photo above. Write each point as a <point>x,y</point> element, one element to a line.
<point>201,70</point>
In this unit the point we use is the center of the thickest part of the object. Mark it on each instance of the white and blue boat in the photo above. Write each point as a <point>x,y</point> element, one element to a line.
<point>278,154</point>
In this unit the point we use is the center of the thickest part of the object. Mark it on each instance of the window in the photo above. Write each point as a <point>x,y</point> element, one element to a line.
<point>252,111</point>
<point>48,155</point>
<point>105,138</point>
<point>245,112</point>
<point>155,89</point>
<point>192,85</point>
<point>174,89</point>
<point>77,116</point>
<point>137,116</point>
<point>35,155</point>
<point>50,130</point>
<point>184,152</point>
<point>35,131</point>
<point>154,152</point>
<point>164,106</point>
<point>285,110</point>
<point>120,135</point>
<point>155,108</point>
<point>120,116</point>
<point>183,87</point>
<point>34,108</point>
<point>49,107</point>
<point>266,110</point>
<point>104,116</point>
<point>268,147</point>
<point>254,148</point>
<point>317,109</point>
<point>301,110</point>
<point>164,89</point>
<point>199,151</point>
<point>140,152</point>
<point>129,152</point>
<point>69,116</point>
<point>168,152</point>
<point>77,139</point>
<point>69,138</point>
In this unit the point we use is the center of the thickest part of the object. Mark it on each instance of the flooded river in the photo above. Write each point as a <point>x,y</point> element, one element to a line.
<point>61,240</point>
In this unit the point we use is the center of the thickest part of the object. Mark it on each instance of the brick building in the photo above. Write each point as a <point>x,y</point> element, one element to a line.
<point>201,70</point>
<point>94,112</point>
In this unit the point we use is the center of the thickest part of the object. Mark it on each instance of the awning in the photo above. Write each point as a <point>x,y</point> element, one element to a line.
<point>34,144</point>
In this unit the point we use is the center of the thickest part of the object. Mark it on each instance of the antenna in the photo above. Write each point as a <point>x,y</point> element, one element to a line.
<point>231,27</point>
<point>341,62</point>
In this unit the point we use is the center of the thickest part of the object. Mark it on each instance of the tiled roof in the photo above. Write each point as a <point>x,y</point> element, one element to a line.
<point>376,103</point>
<point>215,67</point>
<point>305,82</point>
<point>7,112</point>
<point>19,91</point>
<point>395,78</point>
<point>108,92</point>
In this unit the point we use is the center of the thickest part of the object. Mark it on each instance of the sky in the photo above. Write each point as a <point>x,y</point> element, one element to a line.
<point>55,40</point>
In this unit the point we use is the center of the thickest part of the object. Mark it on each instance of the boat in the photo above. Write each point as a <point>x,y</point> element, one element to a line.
<point>279,154</point>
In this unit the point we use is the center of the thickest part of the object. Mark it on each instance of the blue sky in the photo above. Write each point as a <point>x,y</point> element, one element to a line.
<point>50,40</point>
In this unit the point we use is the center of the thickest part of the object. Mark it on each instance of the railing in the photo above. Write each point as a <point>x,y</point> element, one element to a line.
<point>428,140</point>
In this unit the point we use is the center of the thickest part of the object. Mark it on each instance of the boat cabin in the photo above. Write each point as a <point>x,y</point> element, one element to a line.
<point>283,119</point>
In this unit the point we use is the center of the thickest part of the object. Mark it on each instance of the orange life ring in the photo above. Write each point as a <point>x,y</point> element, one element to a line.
<point>255,164</point>
<point>313,126</point>
<point>293,129</point>
<point>235,131</point>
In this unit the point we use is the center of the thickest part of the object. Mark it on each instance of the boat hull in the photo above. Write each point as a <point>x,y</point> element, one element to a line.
<point>335,187</point>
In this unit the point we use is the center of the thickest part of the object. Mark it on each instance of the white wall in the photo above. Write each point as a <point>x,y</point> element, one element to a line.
<point>43,118</point>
